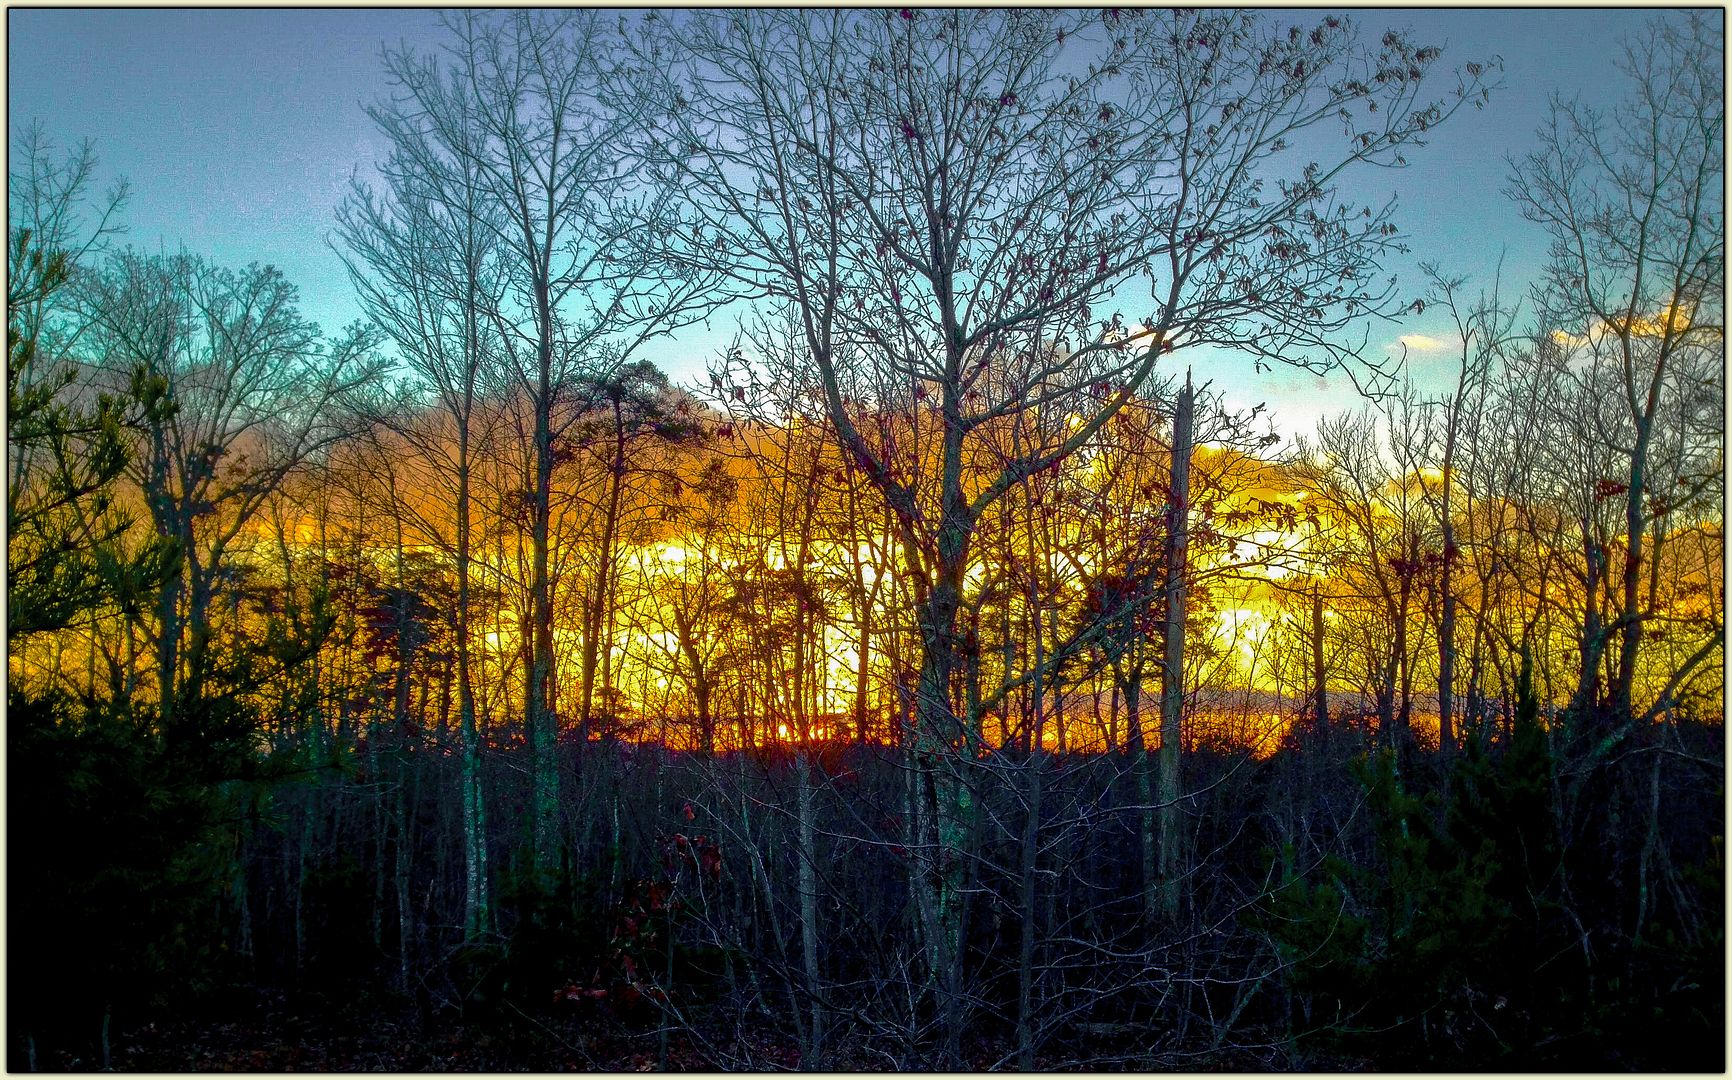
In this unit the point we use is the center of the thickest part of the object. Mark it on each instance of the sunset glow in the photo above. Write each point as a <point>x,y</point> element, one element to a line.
<point>866,540</point>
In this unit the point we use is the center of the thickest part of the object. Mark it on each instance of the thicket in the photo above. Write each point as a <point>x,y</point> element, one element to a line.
<point>1346,909</point>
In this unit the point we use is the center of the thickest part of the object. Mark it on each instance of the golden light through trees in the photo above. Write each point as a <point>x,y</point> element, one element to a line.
<point>951,676</point>
<point>698,562</point>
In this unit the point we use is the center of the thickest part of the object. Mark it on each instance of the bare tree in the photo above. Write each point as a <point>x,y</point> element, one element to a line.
<point>422,257</point>
<point>63,454</point>
<point>513,106</point>
<point>950,216</point>
<point>1634,204</point>
<point>234,390</point>
<point>1360,472</point>
<point>1483,331</point>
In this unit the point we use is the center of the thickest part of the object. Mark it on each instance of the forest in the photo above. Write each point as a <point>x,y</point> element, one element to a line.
<point>953,677</point>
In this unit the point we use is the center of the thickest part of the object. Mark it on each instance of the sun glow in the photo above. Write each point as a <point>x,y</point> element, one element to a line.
<point>780,620</point>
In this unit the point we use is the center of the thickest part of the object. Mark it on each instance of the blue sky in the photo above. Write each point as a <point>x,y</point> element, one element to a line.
<point>239,130</point>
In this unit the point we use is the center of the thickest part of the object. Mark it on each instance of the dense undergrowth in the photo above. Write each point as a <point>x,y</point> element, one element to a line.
<point>179,902</point>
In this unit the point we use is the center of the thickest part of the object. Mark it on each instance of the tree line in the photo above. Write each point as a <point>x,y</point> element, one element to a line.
<point>462,665</point>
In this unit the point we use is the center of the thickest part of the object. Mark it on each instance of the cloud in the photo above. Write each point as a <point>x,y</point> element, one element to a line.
<point>1422,342</point>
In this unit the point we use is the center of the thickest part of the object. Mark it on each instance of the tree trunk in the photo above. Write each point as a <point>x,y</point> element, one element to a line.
<point>1593,637</point>
<point>1397,734</point>
<point>400,736</point>
<point>862,673</point>
<point>475,906</point>
<point>1319,677</point>
<point>1446,626</point>
<point>944,800</point>
<point>1404,658</point>
<point>599,616</point>
<point>812,1056</point>
<point>476,913</point>
<point>168,642</point>
<point>702,691</point>
<point>1029,858</point>
<point>1173,671</point>
<point>1630,610</point>
<point>538,709</point>
<point>168,595</point>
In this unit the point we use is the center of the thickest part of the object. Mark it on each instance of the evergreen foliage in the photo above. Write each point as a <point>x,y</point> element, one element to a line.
<point>1462,946</point>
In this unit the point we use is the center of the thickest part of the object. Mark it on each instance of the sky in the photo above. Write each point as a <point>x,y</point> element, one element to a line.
<point>240,129</point>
